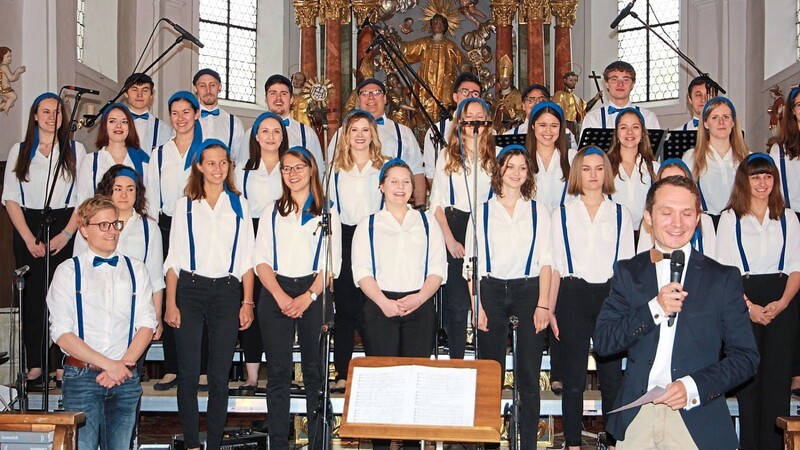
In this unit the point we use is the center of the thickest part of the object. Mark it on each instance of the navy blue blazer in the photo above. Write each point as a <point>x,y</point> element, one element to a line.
<point>714,342</point>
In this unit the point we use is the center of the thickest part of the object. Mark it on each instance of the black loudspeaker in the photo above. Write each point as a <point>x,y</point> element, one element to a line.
<point>232,439</point>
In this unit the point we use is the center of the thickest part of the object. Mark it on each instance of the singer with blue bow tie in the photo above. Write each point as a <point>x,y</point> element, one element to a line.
<point>102,317</point>
<point>696,96</point>
<point>691,337</point>
<point>215,121</point>
<point>152,130</point>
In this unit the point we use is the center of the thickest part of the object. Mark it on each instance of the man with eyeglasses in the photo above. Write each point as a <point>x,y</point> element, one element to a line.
<point>620,78</point>
<point>102,317</point>
<point>397,141</point>
<point>467,85</point>
<point>531,96</point>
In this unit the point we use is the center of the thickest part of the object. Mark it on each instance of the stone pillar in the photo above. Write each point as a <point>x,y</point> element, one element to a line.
<point>503,12</point>
<point>564,12</point>
<point>536,13</point>
<point>306,18</point>
<point>363,9</point>
<point>333,13</point>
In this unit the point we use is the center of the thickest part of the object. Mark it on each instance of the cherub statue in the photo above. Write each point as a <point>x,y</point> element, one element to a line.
<point>7,95</point>
<point>408,26</point>
<point>470,11</point>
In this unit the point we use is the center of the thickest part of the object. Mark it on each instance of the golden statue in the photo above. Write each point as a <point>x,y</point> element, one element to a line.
<point>439,57</point>
<point>574,107</point>
<point>508,110</point>
<point>399,110</point>
<point>299,109</point>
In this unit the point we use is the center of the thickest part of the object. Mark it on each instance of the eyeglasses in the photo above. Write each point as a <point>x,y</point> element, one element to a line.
<point>535,100</point>
<point>624,80</point>
<point>372,93</point>
<point>300,168</point>
<point>466,93</point>
<point>105,226</point>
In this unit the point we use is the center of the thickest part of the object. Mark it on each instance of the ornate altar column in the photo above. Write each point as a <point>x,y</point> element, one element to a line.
<point>334,13</point>
<point>564,12</point>
<point>363,9</point>
<point>306,18</point>
<point>503,15</point>
<point>536,13</point>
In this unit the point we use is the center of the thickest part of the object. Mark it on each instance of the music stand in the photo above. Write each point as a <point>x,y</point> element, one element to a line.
<point>677,143</point>
<point>598,137</point>
<point>502,140</point>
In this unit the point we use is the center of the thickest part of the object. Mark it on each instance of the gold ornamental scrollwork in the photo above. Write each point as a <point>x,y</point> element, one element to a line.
<point>535,10</point>
<point>306,12</point>
<point>565,12</point>
<point>335,10</point>
<point>364,8</point>
<point>503,11</point>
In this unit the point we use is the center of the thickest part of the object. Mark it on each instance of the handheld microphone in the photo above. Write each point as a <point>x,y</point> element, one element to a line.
<point>82,90</point>
<point>185,34</point>
<point>676,263</point>
<point>22,270</point>
<point>623,14</point>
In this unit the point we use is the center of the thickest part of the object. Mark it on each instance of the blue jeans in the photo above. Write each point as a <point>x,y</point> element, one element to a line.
<point>110,413</point>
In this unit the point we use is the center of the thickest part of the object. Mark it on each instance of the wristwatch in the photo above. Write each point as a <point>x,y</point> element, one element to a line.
<point>313,295</point>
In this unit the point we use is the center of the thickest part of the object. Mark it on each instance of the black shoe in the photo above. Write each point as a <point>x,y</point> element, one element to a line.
<point>34,385</point>
<point>165,386</point>
<point>557,389</point>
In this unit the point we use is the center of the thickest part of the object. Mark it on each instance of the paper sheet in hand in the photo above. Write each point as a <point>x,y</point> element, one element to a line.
<point>413,395</point>
<point>648,397</point>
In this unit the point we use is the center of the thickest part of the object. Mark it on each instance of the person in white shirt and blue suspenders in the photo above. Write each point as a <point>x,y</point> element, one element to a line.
<point>152,131</point>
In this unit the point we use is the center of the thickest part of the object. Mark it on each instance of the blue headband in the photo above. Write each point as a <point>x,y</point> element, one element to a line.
<point>630,110</point>
<point>592,151</point>
<point>35,141</point>
<point>114,106</point>
<point>388,165</point>
<point>511,147</point>
<point>759,155</point>
<point>184,95</point>
<point>303,151</point>
<point>675,162</point>
<point>716,100</point>
<point>267,115</point>
<point>356,112</point>
<point>468,101</point>
<point>542,105</point>
<point>792,94</point>
<point>236,202</point>
<point>127,172</point>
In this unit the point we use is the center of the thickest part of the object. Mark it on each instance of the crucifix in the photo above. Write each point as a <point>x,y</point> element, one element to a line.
<point>599,95</point>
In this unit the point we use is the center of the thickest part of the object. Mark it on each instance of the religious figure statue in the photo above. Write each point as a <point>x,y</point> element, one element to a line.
<point>575,108</point>
<point>508,110</point>
<point>7,95</point>
<point>299,109</point>
<point>776,110</point>
<point>439,57</point>
<point>470,10</point>
<point>408,26</point>
<point>397,97</point>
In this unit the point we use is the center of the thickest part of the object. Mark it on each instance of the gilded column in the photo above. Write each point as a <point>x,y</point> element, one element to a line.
<point>333,13</point>
<point>503,12</point>
<point>564,12</point>
<point>306,18</point>
<point>536,13</point>
<point>362,10</point>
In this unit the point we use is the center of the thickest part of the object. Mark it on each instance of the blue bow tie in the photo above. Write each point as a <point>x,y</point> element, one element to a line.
<point>144,116</point>
<point>286,122</point>
<point>696,122</point>
<point>613,110</point>
<point>205,113</point>
<point>379,120</point>
<point>111,261</point>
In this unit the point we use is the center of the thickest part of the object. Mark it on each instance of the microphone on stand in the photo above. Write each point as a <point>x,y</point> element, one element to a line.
<point>676,263</point>
<point>186,35</point>
<point>623,14</point>
<point>22,270</point>
<point>476,123</point>
<point>82,90</point>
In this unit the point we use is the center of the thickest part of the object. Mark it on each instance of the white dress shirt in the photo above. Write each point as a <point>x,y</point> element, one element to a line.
<point>298,245</point>
<point>550,180</point>
<point>37,188</point>
<point>792,176</point>
<point>593,243</point>
<point>709,238</point>
<point>387,134</point>
<point>400,250</point>
<point>716,182</point>
<point>509,240</point>
<point>689,126</point>
<point>132,243</point>
<point>631,191</point>
<point>152,132</point>
<point>661,372</point>
<point>106,303</point>
<point>262,187</point>
<point>429,156</point>
<point>462,186</point>
<point>357,195</point>
<point>88,178</point>
<point>762,243</point>
<point>219,127</point>
<point>214,231</point>
<point>165,183</point>
<point>594,118</point>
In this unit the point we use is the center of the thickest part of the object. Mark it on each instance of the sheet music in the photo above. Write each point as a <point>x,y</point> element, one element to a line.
<point>413,395</point>
<point>648,397</point>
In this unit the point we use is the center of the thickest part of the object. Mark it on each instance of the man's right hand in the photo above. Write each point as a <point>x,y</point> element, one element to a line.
<point>671,298</point>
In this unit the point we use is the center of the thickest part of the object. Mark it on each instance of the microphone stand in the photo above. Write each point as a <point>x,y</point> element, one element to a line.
<point>512,410</point>
<point>476,282</point>
<point>22,395</point>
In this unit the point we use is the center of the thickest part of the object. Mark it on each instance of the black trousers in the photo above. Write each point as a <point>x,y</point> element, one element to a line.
<point>456,300</point>
<point>578,305</point>
<point>502,299</point>
<point>34,308</point>
<point>412,336</point>
<point>766,396</point>
<point>250,339</point>
<point>215,302</point>
<point>278,332</point>
<point>349,308</point>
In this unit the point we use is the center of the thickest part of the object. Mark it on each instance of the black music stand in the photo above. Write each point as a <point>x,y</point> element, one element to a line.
<point>598,137</point>
<point>502,140</point>
<point>677,142</point>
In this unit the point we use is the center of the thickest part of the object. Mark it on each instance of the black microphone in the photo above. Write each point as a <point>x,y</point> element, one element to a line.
<point>623,14</point>
<point>475,123</point>
<point>22,270</point>
<point>375,42</point>
<point>82,90</point>
<point>676,263</point>
<point>185,34</point>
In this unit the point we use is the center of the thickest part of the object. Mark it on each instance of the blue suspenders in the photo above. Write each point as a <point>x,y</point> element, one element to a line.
<point>79,296</point>
<point>566,236</point>
<point>192,260</point>
<point>697,238</point>
<point>275,246</point>
<point>155,134</point>
<point>160,158</point>
<point>372,243</point>
<point>244,183</point>
<point>71,186</point>
<point>399,141</point>
<point>486,238</point>
<point>784,182</point>
<point>231,118</point>
<point>146,237</point>
<point>336,189</point>
<point>745,265</point>
<point>702,197</point>
<point>94,171</point>
<point>603,116</point>
<point>303,135</point>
